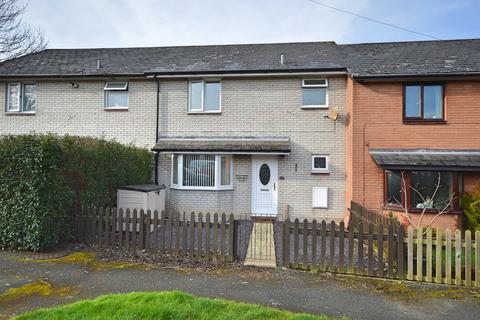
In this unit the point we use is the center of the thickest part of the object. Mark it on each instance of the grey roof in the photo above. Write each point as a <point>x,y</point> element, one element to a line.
<point>142,187</point>
<point>439,159</point>
<point>273,145</point>
<point>413,58</point>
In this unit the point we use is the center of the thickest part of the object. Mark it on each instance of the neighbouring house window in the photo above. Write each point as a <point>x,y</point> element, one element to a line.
<point>423,102</point>
<point>314,92</point>
<point>394,194</point>
<point>202,171</point>
<point>320,164</point>
<point>421,189</point>
<point>21,97</point>
<point>116,95</point>
<point>204,96</point>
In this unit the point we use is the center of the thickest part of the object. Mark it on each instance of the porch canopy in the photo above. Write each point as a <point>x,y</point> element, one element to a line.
<point>427,159</point>
<point>227,145</point>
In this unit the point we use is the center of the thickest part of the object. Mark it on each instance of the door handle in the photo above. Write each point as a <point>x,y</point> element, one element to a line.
<point>274,186</point>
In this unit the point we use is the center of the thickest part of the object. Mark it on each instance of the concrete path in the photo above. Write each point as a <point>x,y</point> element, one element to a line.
<point>356,298</point>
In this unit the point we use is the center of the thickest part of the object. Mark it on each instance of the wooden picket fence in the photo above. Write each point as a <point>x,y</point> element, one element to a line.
<point>329,247</point>
<point>425,255</point>
<point>194,235</point>
<point>446,258</point>
<point>360,214</point>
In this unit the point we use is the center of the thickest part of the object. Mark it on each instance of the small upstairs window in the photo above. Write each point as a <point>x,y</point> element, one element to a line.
<point>21,97</point>
<point>315,93</point>
<point>204,96</point>
<point>320,164</point>
<point>423,102</point>
<point>116,95</point>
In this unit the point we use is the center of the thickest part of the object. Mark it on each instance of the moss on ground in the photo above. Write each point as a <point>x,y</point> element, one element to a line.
<point>40,288</point>
<point>90,260</point>
<point>409,291</point>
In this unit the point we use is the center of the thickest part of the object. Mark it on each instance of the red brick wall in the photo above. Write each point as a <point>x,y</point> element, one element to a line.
<point>376,122</point>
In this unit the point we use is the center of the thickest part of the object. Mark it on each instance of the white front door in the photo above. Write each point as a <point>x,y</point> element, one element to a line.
<point>264,186</point>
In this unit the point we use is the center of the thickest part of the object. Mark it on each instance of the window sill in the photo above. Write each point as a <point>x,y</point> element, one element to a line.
<point>204,112</point>
<point>19,113</point>
<point>314,107</point>
<point>320,172</point>
<point>201,188</point>
<point>116,109</point>
<point>405,121</point>
<point>419,211</point>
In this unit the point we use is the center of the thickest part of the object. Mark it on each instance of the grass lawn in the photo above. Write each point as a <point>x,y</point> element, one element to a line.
<point>161,305</point>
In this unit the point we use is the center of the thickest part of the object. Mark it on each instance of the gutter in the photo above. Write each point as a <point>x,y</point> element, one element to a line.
<point>157,130</point>
<point>247,73</point>
<point>427,76</point>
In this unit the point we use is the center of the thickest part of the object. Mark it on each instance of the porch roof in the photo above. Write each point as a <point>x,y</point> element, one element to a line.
<point>231,145</point>
<point>427,159</point>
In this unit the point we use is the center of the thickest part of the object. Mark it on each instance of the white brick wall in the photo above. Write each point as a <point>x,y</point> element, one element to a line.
<point>267,107</point>
<point>62,109</point>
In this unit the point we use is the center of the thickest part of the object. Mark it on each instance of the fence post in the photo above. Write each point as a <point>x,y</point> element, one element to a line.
<point>429,254</point>
<point>419,254</point>
<point>305,244</point>
<point>120,227</point>
<point>286,246</point>
<point>468,258</point>
<point>410,253</point>
<point>361,268</point>
<point>200,235</point>
<point>448,257</point>
<point>370,250</point>
<point>231,237</point>
<point>458,257</point>
<point>381,264</point>
<point>295,242</point>
<point>477,258</point>
<point>207,236</point>
<point>438,255</point>
<point>401,254</point>
<point>314,245</point>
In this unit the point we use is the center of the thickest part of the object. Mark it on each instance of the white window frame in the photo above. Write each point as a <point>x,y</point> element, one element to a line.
<point>327,163</point>
<point>107,89</point>
<point>218,177</point>
<point>202,107</point>
<point>315,86</point>
<point>21,93</point>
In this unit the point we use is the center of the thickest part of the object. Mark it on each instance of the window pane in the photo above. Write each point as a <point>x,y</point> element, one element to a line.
<point>196,93</point>
<point>412,101</point>
<point>432,102</point>
<point>199,170</point>
<point>116,86</point>
<point>29,97</point>
<point>13,97</point>
<point>320,163</point>
<point>225,170</point>
<point>212,96</point>
<point>117,99</point>
<point>424,182</point>
<point>394,189</point>
<point>315,97</point>
<point>175,169</point>
<point>315,82</point>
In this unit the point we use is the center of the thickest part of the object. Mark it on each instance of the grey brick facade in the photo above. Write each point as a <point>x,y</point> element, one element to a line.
<point>262,107</point>
<point>250,107</point>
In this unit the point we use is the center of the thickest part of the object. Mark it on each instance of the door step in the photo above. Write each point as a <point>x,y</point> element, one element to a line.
<point>261,246</point>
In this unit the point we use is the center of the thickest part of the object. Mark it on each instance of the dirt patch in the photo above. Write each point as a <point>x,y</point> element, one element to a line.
<point>39,288</point>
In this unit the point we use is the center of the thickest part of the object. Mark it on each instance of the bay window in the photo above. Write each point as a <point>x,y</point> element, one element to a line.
<point>202,171</point>
<point>418,190</point>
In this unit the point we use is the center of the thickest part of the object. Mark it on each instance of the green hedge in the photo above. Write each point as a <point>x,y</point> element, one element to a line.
<point>43,178</point>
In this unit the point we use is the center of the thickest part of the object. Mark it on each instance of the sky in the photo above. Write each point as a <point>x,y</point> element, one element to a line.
<point>128,23</point>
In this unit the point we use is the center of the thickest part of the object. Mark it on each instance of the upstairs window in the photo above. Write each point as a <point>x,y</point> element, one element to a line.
<point>116,95</point>
<point>21,97</point>
<point>204,96</point>
<point>320,164</point>
<point>423,102</point>
<point>202,171</point>
<point>315,93</point>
